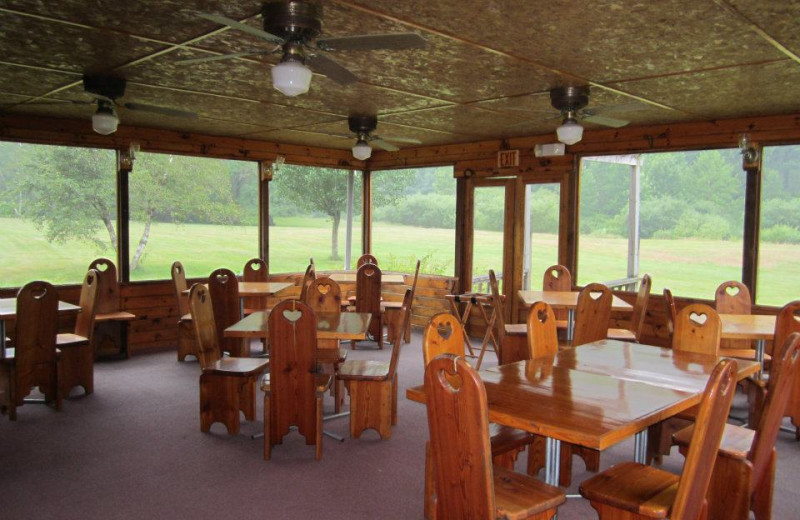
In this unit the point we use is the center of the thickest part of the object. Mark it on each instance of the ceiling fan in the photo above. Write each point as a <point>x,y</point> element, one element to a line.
<point>362,128</point>
<point>106,90</point>
<point>294,28</point>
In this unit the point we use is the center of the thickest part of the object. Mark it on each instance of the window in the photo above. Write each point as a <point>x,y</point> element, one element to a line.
<point>487,241</point>
<point>414,217</point>
<point>691,218</point>
<point>203,212</point>
<point>308,218</point>
<point>542,210</point>
<point>57,211</point>
<point>779,248</point>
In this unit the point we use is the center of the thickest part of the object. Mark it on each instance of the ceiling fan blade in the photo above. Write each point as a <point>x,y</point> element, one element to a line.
<point>223,57</point>
<point>49,102</point>
<point>380,143</point>
<point>605,121</point>
<point>172,112</point>
<point>327,67</point>
<point>406,140</point>
<point>342,136</point>
<point>369,42</point>
<point>634,106</point>
<point>249,29</point>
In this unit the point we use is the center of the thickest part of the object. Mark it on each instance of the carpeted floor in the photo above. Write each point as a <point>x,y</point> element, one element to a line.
<point>134,449</point>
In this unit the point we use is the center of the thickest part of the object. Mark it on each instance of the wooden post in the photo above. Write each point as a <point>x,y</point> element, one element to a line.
<point>634,212</point>
<point>265,173</point>
<point>366,212</point>
<point>465,209</point>
<point>752,219</point>
<point>526,229</point>
<point>348,241</point>
<point>125,161</point>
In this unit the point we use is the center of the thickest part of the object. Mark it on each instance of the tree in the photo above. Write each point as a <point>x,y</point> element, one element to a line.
<point>324,190</point>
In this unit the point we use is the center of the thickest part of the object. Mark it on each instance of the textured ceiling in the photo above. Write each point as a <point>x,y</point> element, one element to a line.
<point>485,72</point>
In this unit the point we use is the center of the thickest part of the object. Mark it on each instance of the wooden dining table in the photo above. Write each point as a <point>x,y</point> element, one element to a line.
<point>595,395</point>
<point>566,300</point>
<point>342,326</point>
<point>758,327</point>
<point>256,289</point>
<point>350,277</point>
<point>8,312</point>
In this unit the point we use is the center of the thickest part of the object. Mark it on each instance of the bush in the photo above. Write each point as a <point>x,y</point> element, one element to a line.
<point>429,210</point>
<point>781,234</point>
<point>659,216</point>
<point>778,212</point>
<point>544,210</point>
<point>696,225</point>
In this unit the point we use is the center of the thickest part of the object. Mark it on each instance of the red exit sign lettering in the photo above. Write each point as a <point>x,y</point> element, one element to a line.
<point>508,158</point>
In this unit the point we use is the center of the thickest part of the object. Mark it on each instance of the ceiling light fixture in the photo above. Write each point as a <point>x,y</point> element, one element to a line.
<point>105,120</point>
<point>362,151</point>
<point>570,131</point>
<point>291,76</point>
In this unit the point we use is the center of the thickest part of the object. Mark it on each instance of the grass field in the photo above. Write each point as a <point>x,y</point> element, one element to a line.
<point>688,267</point>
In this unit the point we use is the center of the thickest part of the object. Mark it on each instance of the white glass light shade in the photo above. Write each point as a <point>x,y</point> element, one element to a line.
<point>104,121</point>
<point>291,77</point>
<point>362,151</point>
<point>570,132</point>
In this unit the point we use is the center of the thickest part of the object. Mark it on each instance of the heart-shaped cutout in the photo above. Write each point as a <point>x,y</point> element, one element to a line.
<point>542,315</point>
<point>255,266</point>
<point>39,294</point>
<point>322,324</point>
<point>595,295</point>
<point>699,319</point>
<point>732,290</point>
<point>445,330</point>
<point>555,274</point>
<point>292,315</point>
<point>202,296</point>
<point>222,278</point>
<point>369,272</point>
<point>796,315</point>
<point>101,266</point>
<point>323,288</point>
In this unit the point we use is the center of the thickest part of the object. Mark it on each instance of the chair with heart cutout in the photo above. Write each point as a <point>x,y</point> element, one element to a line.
<point>592,314</point>
<point>224,290</point>
<point>255,270</point>
<point>733,297</point>
<point>109,311</point>
<point>558,278</point>
<point>187,343</point>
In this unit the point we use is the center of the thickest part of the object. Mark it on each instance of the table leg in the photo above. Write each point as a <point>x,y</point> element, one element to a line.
<point>552,460</point>
<point>570,324</point>
<point>760,356</point>
<point>640,447</point>
<point>462,319</point>
<point>2,339</point>
<point>489,319</point>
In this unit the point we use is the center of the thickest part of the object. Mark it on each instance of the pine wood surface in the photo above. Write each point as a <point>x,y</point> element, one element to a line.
<point>8,308</point>
<point>747,326</point>
<point>343,326</point>
<point>565,300</point>
<point>350,277</point>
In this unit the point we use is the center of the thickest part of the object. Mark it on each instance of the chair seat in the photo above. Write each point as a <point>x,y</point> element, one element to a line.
<point>69,339</point>
<point>331,355</point>
<point>562,324</point>
<point>236,366</point>
<point>364,369</point>
<point>390,305</point>
<point>519,496</point>
<point>689,414</point>
<point>736,440</point>
<point>634,487</point>
<point>504,439</point>
<point>322,383</point>
<point>115,316</point>
<point>621,334</point>
<point>517,329</point>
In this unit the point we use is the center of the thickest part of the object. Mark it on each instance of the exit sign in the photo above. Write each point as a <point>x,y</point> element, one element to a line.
<point>507,158</point>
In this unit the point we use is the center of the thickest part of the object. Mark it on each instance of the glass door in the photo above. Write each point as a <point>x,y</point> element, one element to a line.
<point>540,225</point>
<point>489,236</point>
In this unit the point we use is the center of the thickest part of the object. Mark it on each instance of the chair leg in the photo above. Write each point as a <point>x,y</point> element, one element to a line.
<point>219,402</point>
<point>429,500</point>
<point>370,407</point>
<point>394,400</point>
<point>247,397</point>
<point>762,495</point>
<point>729,490</point>
<point>77,364</point>
<point>187,344</point>
<point>267,438</point>
<point>536,455</point>
<point>318,440</point>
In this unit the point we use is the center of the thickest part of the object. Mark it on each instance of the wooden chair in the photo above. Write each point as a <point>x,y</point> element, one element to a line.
<point>634,491</point>
<point>634,330</point>
<point>390,312</point>
<point>670,312</point>
<point>733,297</point>
<point>744,471</point>
<point>592,314</point>
<point>255,270</point>
<point>77,352</point>
<point>227,385</point>
<point>558,278</point>
<point>325,295</point>
<point>512,338</point>
<point>187,343</point>
<point>373,387</point>
<point>309,276</point>
<point>224,290</point>
<point>34,360</point>
<point>467,486</point>
<point>109,308</point>
<point>786,323</point>
<point>368,298</point>
<point>542,331</point>
<point>293,390</point>
<point>366,258</point>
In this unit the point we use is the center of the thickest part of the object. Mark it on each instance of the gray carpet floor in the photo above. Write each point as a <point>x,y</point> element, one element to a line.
<point>134,449</point>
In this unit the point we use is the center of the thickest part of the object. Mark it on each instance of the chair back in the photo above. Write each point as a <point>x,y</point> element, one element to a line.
<point>84,322</point>
<point>224,290</point>
<point>557,278</point>
<point>368,296</point>
<point>443,335</point>
<point>292,370</point>
<point>592,314</point>
<point>255,270</point>
<point>499,308</point>
<point>397,342</point>
<point>697,329</point>
<point>786,322</point>
<point>108,299</point>
<point>366,259</point>
<point>671,313</point>
<point>711,418</point>
<point>640,306</point>
<point>542,331</point>
<point>179,285</point>
<point>458,421</point>
<point>325,295</point>
<point>202,311</point>
<point>35,340</point>
<point>733,297</point>
<point>309,276</point>
<point>783,375</point>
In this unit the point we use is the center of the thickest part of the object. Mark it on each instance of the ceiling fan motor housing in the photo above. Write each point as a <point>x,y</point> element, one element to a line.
<point>106,86</point>
<point>569,99</point>
<point>362,125</point>
<point>293,21</point>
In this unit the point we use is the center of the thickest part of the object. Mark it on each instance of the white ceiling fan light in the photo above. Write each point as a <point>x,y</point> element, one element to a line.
<point>570,131</point>
<point>105,120</point>
<point>291,77</point>
<point>362,150</point>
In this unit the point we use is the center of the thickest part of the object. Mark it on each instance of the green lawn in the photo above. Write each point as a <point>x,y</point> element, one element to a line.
<point>688,267</point>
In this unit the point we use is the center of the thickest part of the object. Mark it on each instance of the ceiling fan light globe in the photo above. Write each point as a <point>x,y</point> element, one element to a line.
<point>104,122</point>
<point>362,151</point>
<point>291,78</point>
<point>570,132</point>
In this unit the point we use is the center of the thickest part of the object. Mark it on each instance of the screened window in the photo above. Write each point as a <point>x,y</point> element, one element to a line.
<point>309,217</point>
<point>57,211</point>
<point>487,242</point>
<point>202,212</point>
<point>414,217</point>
